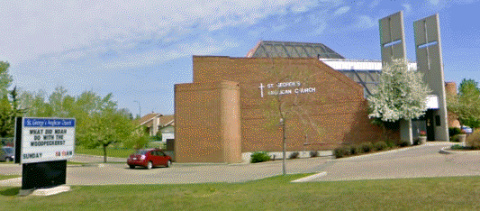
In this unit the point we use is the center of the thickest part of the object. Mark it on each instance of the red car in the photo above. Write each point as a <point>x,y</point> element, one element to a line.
<point>149,158</point>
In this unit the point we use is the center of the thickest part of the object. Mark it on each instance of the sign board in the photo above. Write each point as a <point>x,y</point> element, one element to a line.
<point>46,139</point>
<point>285,88</point>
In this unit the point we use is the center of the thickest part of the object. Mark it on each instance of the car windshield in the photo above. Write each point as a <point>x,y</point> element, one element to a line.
<point>8,150</point>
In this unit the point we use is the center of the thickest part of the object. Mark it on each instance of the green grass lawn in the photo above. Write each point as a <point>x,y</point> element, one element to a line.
<point>277,193</point>
<point>2,177</point>
<point>111,152</point>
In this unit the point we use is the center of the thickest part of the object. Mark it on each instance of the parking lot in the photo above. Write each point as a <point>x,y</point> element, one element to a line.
<point>119,173</point>
<point>418,161</point>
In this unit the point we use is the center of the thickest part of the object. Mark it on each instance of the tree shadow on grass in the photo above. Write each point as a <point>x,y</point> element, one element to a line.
<point>10,191</point>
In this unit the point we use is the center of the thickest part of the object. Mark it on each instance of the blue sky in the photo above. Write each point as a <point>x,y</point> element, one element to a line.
<point>138,50</point>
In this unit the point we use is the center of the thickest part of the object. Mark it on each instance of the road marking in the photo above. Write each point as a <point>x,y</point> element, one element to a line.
<point>311,177</point>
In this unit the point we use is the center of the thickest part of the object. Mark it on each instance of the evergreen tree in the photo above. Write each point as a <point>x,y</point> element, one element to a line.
<point>9,105</point>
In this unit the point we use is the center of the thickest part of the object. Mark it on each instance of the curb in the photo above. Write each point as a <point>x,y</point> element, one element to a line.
<point>378,153</point>
<point>98,156</point>
<point>444,151</point>
<point>447,150</point>
<point>13,182</point>
<point>311,177</point>
<point>395,150</point>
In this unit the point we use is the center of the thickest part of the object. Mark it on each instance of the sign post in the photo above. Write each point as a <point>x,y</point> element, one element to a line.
<point>42,146</point>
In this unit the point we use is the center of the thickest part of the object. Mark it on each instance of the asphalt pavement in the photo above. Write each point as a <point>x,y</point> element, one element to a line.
<point>419,161</point>
<point>427,160</point>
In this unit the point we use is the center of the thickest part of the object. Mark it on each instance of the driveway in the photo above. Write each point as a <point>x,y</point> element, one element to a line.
<point>419,161</point>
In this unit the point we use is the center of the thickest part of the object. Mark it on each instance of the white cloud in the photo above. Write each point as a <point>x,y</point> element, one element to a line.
<point>79,29</point>
<point>75,43</point>
<point>279,27</point>
<point>341,10</point>
<point>364,22</point>
<point>467,1</point>
<point>407,7</point>
<point>434,2</point>
<point>374,4</point>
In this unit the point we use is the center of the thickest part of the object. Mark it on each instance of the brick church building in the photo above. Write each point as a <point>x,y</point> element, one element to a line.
<point>225,111</point>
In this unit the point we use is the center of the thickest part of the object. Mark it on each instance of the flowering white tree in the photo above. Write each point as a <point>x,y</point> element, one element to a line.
<point>400,94</point>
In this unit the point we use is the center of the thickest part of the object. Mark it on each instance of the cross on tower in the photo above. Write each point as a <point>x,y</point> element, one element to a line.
<point>427,44</point>
<point>261,89</point>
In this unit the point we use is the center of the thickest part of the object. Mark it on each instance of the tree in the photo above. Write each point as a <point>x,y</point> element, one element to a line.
<point>107,127</point>
<point>5,78</point>
<point>9,105</point>
<point>283,104</point>
<point>6,125</point>
<point>139,139</point>
<point>466,104</point>
<point>5,106</point>
<point>98,120</point>
<point>35,105</point>
<point>400,94</point>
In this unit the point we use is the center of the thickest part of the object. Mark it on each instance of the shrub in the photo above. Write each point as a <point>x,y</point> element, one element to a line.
<point>390,144</point>
<point>357,150</point>
<point>457,146</point>
<point>294,155</point>
<point>367,147</point>
<point>473,140</point>
<point>455,138</point>
<point>403,143</point>
<point>341,152</point>
<point>379,146</point>
<point>260,156</point>
<point>416,141</point>
<point>454,131</point>
<point>351,149</point>
<point>313,154</point>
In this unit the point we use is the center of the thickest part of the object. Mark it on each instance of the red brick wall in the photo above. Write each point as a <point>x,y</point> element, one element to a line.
<point>337,106</point>
<point>451,90</point>
<point>207,122</point>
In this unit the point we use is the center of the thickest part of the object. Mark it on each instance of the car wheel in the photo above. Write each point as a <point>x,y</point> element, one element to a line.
<point>131,166</point>
<point>149,165</point>
<point>169,163</point>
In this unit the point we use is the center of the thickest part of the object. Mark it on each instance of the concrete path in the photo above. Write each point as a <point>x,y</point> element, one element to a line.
<point>420,161</point>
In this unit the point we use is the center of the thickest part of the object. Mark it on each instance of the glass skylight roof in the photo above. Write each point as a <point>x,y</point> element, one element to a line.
<point>293,50</point>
